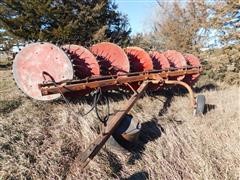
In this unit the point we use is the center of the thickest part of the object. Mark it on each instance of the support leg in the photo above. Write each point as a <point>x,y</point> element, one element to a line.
<point>190,91</point>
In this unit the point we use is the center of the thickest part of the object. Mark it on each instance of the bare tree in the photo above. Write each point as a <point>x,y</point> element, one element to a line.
<point>225,18</point>
<point>179,25</point>
<point>191,25</point>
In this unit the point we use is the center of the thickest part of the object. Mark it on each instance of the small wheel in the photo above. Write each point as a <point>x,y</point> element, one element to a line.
<point>200,105</point>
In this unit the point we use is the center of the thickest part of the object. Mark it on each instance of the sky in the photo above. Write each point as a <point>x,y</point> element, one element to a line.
<point>139,12</point>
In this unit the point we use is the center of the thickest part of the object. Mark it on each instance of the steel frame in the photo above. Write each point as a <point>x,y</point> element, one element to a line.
<point>145,78</point>
<point>106,81</point>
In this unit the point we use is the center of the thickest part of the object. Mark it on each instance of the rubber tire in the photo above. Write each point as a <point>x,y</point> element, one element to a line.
<point>200,105</point>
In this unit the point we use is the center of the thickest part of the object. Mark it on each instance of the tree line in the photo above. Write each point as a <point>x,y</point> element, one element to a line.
<point>63,21</point>
<point>184,26</point>
<point>193,25</point>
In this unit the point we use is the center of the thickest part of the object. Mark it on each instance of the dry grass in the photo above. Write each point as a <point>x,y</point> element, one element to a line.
<point>40,140</point>
<point>5,62</point>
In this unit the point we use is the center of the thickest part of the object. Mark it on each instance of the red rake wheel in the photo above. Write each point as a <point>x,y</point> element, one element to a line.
<point>176,60</point>
<point>139,59</point>
<point>111,58</point>
<point>85,63</point>
<point>159,60</point>
<point>194,62</point>
<point>34,59</point>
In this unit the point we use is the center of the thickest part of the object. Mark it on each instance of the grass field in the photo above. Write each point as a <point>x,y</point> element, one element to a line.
<point>40,140</point>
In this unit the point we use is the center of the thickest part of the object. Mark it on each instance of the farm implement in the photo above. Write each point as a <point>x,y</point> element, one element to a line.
<point>45,72</point>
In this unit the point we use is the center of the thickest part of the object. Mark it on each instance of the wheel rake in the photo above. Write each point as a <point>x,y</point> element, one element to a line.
<point>44,72</point>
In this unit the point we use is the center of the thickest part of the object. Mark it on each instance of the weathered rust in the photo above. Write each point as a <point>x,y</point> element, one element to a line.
<point>44,72</point>
<point>190,91</point>
<point>30,63</point>
<point>48,89</point>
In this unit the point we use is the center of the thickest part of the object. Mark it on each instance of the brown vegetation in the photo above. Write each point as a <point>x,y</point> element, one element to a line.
<point>222,64</point>
<point>177,25</point>
<point>40,140</point>
<point>192,25</point>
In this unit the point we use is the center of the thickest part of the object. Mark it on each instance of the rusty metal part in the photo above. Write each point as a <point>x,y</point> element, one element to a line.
<point>43,71</point>
<point>94,83</point>
<point>190,91</point>
<point>85,63</point>
<point>176,60</point>
<point>159,60</point>
<point>30,63</point>
<point>85,157</point>
<point>111,58</point>
<point>139,59</point>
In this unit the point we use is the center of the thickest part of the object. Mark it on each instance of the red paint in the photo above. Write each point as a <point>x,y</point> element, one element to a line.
<point>139,59</point>
<point>159,60</point>
<point>111,58</point>
<point>36,58</point>
<point>176,60</point>
<point>192,61</point>
<point>85,63</point>
<point>32,60</point>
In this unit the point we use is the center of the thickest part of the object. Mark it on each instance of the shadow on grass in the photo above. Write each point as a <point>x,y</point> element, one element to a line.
<point>121,94</point>
<point>114,163</point>
<point>169,98</point>
<point>9,106</point>
<point>206,87</point>
<point>88,98</point>
<point>150,131</point>
<point>141,175</point>
<point>7,65</point>
<point>208,108</point>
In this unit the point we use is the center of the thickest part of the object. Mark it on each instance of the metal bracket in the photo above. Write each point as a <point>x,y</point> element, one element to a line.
<point>190,91</point>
